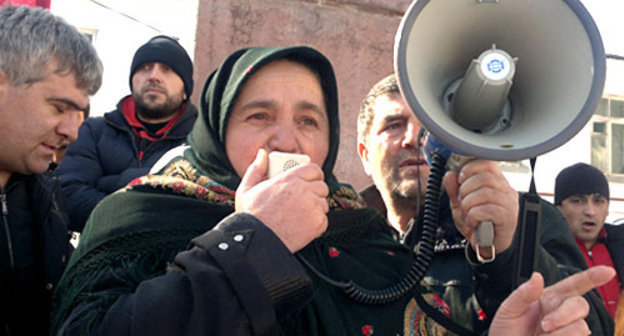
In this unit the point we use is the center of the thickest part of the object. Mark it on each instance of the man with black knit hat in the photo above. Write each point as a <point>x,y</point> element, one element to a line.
<point>582,195</point>
<point>124,144</point>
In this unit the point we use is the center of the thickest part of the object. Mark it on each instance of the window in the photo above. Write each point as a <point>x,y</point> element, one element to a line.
<point>607,138</point>
<point>89,34</point>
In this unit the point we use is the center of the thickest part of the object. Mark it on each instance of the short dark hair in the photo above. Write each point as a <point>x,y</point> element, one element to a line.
<point>386,86</point>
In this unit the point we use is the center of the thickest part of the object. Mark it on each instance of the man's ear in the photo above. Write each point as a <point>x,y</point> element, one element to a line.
<point>363,152</point>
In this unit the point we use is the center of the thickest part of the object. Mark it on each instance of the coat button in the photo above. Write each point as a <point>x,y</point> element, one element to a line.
<point>239,238</point>
<point>223,246</point>
<point>49,286</point>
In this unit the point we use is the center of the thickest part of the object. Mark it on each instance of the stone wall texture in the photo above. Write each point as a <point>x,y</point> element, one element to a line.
<point>356,35</point>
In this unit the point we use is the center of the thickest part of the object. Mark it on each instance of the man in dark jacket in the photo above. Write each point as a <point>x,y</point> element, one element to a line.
<point>113,150</point>
<point>47,71</point>
<point>582,196</point>
<point>469,289</point>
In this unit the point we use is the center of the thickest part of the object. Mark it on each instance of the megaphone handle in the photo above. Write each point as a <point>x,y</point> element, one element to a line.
<point>485,230</point>
<point>485,241</point>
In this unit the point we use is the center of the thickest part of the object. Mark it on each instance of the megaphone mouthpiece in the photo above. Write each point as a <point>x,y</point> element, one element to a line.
<point>478,100</point>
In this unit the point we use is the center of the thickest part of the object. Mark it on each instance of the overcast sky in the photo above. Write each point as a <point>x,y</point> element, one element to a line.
<point>609,17</point>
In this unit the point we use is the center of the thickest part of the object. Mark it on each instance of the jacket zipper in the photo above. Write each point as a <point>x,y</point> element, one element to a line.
<point>5,214</point>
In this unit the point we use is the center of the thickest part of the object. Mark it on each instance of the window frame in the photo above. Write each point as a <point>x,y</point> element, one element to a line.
<point>604,115</point>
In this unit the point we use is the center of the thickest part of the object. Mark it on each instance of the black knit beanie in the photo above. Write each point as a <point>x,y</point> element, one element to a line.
<point>168,51</point>
<point>580,179</point>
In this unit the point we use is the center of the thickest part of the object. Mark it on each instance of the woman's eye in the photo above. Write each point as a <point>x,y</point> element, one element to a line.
<point>257,116</point>
<point>309,122</point>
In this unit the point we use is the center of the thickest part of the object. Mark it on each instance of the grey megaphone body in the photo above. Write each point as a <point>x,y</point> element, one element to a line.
<point>502,80</point>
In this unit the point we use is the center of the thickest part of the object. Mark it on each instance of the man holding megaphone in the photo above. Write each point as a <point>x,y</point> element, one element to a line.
<point>466,290</point>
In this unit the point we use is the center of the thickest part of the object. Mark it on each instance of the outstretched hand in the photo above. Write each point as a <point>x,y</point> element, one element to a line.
<point>293,204</point>
<point>559,309</point>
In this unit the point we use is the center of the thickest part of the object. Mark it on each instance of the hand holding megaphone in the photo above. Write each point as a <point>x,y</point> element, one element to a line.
<point>484,232</point>
<point>484,205</point>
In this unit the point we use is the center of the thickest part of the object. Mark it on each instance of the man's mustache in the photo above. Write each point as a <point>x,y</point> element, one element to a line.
<point>410,153</point>
<point>153,86</point>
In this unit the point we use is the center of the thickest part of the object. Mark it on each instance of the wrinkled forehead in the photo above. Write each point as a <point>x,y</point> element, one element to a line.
<point>276,75</point>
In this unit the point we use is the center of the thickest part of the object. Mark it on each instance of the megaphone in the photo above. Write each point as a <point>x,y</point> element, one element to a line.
<point>503,80</point>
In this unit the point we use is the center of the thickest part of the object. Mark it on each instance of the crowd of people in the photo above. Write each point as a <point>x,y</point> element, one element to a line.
<point>204,243</point>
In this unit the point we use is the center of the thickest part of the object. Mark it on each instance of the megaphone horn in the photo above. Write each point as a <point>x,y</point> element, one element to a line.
<point>500,79</point>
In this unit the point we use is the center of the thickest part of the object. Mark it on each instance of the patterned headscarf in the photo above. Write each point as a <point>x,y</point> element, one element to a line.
<point>218,97</point>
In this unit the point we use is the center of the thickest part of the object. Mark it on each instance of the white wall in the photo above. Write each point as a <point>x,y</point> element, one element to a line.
<point>121,27</point>
<point>608,17</point>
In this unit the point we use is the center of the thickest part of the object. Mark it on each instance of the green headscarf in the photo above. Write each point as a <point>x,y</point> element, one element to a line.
<point>219,95</point>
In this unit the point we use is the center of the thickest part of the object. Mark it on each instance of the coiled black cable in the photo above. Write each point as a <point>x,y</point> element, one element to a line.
<point>423,255</point>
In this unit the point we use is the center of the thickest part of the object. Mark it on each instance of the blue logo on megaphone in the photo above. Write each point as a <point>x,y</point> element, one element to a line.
<point>496,66</point>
